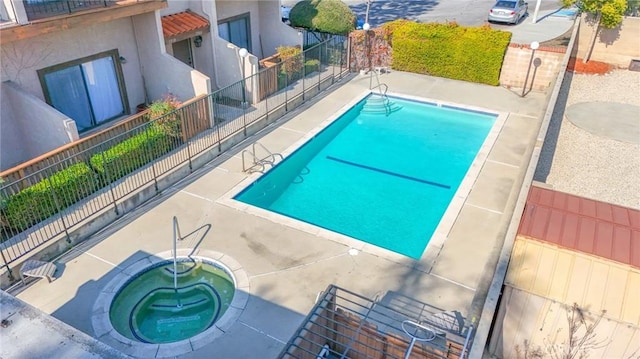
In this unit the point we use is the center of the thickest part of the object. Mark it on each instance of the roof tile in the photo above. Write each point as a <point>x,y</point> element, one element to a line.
<point>582,224</point>
<point>183,22</point>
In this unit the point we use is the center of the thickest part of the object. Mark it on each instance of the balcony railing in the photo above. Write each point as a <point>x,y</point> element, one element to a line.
<point>40,9</point>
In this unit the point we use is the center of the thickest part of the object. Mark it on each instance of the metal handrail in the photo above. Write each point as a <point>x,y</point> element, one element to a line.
<point>176,236</point>
<point>273,155</point>
<point>255,161</point>
<point>414,338</point>
<point>383,94</point>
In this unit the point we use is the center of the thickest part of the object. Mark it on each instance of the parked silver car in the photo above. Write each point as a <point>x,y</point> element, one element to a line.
<point>509,11</point>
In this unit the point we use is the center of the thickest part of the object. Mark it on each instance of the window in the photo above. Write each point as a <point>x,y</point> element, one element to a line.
<point>236,30</point>
<point>90,90</point>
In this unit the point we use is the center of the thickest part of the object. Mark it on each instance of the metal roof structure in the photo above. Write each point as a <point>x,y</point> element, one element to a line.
<point>582,224</point>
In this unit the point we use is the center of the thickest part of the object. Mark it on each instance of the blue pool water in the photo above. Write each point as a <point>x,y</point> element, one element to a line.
<point>384,180</point>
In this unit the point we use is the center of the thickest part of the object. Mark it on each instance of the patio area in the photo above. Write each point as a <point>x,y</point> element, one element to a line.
<point>286,266</point>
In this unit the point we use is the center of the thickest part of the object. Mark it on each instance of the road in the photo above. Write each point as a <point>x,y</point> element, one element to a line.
<point>464,12</point>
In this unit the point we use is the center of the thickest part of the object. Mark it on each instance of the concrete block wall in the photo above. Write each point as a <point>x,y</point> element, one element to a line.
<point>545,66</point>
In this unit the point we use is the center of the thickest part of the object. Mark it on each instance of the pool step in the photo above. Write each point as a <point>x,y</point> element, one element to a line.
<point>377,104</point>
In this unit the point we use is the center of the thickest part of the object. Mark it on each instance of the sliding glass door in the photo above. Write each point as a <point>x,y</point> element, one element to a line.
<point>90,91</point>
<point>236,30</point>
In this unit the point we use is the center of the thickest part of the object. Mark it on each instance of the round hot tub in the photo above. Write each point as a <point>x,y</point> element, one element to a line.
<point>147,311</point>
<point>150,309</point>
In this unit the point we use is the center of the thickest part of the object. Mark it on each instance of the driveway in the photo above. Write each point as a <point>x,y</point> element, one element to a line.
<point>464,12</point>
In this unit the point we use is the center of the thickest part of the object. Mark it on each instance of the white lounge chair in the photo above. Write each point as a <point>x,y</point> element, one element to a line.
<point>38,269</point>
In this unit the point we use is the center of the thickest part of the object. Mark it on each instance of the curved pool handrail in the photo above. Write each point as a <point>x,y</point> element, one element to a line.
<point>414,338</point>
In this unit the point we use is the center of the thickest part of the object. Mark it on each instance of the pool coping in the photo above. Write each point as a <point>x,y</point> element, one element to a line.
<point>104,331</point>
<point>439,236</point>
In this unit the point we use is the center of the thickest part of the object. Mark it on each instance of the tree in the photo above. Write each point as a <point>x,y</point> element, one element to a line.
<point>327,16</point>
<point>581,338</point>
<point>606,13</point>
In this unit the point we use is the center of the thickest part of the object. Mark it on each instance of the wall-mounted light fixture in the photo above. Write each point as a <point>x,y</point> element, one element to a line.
<point>197,41</point>
<point>122,60</point>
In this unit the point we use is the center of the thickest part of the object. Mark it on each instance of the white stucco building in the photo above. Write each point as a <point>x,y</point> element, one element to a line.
<point>71,69</point>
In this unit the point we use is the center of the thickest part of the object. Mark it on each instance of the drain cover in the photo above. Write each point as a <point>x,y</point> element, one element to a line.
<point>634,65</point>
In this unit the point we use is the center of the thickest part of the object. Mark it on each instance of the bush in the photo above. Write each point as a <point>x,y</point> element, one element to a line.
<point>472,54</point>
<point>130,154</point>
<point>44,199</point>
<point>164,112</point>
<point>328,16</point>
<point>311,66</point>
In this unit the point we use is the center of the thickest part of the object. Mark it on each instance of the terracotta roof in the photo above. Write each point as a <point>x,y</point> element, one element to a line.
<point>182,22</point>
<point>582,224</point>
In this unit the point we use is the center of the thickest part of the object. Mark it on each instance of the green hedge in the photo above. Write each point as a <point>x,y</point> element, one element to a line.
<point>36,203</point>
<point>473,54</point>
<point>310,66</point>
<point>130,154</point>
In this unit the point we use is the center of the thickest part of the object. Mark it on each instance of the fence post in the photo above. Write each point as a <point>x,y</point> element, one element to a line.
<point>55,200</point>
<point>187,142</point>
<point>213,110</point>
<point>286,91</point>
<point>106,170</point>
<point>304,76</point>
<point>244,118</point>
<point>320,63</point>
<point>332,59</point>
<point>266,98</point>
<point>6,264</point>
<point>151,159</point>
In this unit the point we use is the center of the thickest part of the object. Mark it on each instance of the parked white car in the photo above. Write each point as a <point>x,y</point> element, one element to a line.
<point>508,11</point>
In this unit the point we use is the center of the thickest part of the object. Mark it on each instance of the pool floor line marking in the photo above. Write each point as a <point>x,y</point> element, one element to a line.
<point>262,332</point>
<point>484,208</point>
<point>436,184</point>
<point>452,282</point>
<point>101,259</point>
<point>298,266</point>
<point>502,163</point>
<point>197,196</point>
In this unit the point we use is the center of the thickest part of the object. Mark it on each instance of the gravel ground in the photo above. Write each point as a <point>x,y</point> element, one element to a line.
<point>578,162</point>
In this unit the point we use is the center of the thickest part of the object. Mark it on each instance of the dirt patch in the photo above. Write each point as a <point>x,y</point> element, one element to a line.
<point>591,67</point>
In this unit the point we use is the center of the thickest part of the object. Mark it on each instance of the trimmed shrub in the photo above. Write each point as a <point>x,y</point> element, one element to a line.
<point>473,54</point>
<point>328,16</point>
<point>44,199</point>
<point>311,66</point>
<point>132,153</point>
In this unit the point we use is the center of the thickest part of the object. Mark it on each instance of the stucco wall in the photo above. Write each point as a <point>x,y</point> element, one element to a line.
<point>273,31</point>
<point>42,129</point>
<point>164,74</point>
<point>614,46</point>
<point>516,62</point>
<point>203,56</point>
<point>228,9</point>
<point>21,59</point>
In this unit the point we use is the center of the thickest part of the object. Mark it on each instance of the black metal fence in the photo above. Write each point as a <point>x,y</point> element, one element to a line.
<point>67,194</point>
<point>39,9</point>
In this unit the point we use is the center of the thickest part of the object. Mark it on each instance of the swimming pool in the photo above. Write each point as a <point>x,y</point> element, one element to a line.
<point>385,179</point>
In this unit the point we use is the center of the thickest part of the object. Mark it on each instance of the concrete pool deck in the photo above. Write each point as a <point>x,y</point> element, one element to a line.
<point>288,267</point>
